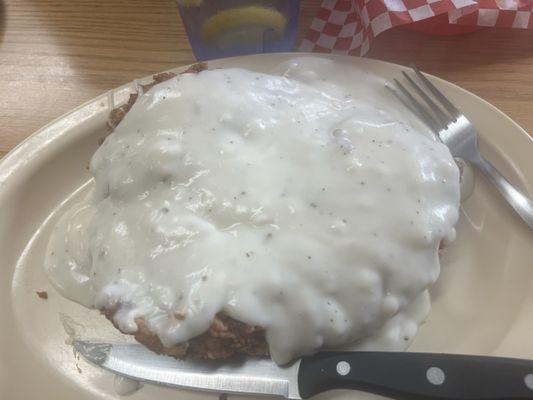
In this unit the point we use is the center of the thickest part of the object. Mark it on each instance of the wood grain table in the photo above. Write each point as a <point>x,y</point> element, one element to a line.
<point>57,54</point>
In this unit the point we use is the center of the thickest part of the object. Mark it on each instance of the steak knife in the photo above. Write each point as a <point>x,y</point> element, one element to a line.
<point>398,375</point>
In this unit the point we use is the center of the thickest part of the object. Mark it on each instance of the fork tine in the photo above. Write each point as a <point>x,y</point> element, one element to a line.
<point>411,108</point>
<point>438,94</point>
<point>421,110</point>
<point>441,116</point>
<point>403,101</point>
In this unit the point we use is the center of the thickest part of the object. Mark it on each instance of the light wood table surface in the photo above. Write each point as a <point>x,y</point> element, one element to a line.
<point>57,54</point>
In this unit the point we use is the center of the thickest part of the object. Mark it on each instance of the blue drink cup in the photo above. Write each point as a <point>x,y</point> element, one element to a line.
<point>224,28</point>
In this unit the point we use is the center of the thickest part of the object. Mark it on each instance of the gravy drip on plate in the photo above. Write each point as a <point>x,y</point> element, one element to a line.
<point>284,201</point>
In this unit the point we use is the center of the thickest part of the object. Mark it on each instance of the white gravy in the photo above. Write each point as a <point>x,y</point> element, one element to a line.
<point>286,201</point>
<point>125,386</point>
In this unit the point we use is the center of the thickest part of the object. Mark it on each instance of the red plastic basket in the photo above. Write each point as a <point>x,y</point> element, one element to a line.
<point>439,25</point>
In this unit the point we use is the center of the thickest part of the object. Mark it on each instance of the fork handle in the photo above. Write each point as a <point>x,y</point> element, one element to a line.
<point>518,200</point>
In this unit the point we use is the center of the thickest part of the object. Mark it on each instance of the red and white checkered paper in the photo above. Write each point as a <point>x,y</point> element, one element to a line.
<point>349,26</point>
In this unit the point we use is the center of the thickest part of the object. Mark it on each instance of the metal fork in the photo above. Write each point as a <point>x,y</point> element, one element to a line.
<point>459,134</point>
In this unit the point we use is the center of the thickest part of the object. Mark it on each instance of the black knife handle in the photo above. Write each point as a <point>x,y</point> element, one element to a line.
<point>418,375</point>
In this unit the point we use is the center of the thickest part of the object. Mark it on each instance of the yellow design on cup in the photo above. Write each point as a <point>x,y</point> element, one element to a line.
<point>242,25</point>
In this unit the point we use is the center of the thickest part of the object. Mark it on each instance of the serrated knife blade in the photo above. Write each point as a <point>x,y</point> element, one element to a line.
<point>241,375</point>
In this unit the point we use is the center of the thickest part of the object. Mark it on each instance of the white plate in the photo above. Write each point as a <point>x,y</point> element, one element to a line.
<point>482,304</point>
